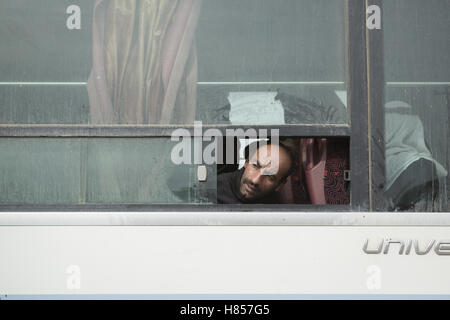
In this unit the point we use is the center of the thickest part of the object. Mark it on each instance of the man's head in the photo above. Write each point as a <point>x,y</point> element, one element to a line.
<point>266,170</point>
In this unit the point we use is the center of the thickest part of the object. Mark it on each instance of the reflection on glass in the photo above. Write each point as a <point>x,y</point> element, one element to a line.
<point>292,51</point>
<point>173,62</point>
<point>98,171</point>
<point>417,71</point>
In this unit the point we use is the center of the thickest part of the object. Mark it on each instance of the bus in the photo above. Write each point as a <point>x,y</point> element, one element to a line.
<point>132,135</point>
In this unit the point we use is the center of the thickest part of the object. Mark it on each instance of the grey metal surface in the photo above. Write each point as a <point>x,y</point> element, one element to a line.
<point>223,219</point>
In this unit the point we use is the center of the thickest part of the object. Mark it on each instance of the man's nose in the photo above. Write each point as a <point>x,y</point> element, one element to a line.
<point>256,179</point>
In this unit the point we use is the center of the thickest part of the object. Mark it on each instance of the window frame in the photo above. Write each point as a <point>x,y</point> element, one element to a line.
<point>359,84</point>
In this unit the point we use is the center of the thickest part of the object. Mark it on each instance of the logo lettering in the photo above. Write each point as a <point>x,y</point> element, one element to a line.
<point>441,248</point>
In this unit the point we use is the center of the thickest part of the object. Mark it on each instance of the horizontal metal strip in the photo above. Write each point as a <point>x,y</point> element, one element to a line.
<point>232,83</point>
<point>166,208</point>
<point>163,131</point>
<point>200,83</point>
<point>413,84</point>
<point>223,218</point>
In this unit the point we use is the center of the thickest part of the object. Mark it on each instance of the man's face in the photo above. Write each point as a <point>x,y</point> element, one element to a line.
<point>264,172</point>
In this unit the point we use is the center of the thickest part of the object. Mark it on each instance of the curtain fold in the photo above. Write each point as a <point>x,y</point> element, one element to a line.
<point>144,62</point>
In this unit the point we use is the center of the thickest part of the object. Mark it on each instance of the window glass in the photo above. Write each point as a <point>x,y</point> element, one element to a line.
<point>417,73</point>
<point>172,62</point>
<point>98,171</point>
<point>43,65</point>
<point>252,51</point>
<point>40,171</point>
<point>165,62</point>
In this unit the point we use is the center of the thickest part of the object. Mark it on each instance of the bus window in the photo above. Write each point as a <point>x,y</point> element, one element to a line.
<point>417,104</point>
<point>171,62</point>
<point>92,95</point>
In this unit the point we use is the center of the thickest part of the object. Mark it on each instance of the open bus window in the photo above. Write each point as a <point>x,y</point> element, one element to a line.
<point>290,170</point>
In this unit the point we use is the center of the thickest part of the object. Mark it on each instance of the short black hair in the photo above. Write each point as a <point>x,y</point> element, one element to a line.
<point>254,146</point>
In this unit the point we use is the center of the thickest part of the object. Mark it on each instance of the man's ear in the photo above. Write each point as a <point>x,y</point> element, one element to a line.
<point>246,164</point>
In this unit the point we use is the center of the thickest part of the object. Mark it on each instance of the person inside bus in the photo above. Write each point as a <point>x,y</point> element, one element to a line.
<point>267,166</point>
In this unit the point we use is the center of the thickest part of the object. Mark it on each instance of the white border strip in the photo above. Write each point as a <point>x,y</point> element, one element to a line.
<point>203,297</point>
<point>222,219</point>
